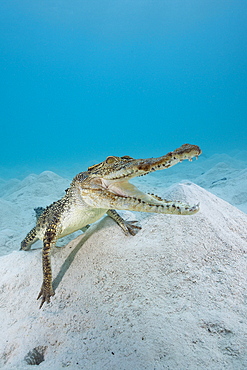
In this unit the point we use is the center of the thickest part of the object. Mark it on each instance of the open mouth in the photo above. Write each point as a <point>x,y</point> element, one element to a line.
<point>122,195</point>
<point>107,185</point>
<point>122,188</point>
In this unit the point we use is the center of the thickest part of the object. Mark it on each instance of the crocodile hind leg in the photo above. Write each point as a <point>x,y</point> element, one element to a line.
<point>49,241</point>
<point>29,240</point>
<point>128,227</point>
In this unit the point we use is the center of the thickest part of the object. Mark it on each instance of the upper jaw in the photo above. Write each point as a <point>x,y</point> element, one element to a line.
<point>138,167</point>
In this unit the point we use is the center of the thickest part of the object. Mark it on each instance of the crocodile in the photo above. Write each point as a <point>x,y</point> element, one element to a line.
<point>100,190</point>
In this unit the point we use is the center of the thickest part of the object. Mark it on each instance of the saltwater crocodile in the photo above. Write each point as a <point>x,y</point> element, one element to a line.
<point>100,190</point>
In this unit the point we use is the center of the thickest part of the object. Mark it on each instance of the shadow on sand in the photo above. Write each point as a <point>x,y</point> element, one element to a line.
<point>66,265</point>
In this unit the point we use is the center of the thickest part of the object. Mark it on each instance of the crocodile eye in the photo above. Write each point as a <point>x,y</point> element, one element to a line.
<point>111,159</point>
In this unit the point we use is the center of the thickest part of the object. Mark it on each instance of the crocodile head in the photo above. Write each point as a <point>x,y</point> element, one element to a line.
<point>106,185</point>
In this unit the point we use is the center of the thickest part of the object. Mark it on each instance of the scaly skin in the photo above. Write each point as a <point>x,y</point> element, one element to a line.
<point>100,190</point>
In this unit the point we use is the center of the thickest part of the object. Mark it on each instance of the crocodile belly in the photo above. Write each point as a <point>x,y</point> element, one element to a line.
<point>77,219</point>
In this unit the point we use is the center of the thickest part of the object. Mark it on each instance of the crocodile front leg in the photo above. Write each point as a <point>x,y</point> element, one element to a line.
<point>49,240</point>
<point>128,227</point>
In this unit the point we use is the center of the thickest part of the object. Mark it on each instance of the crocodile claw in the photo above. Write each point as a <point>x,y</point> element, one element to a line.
<point>132,228</point>
<point>45,295</point>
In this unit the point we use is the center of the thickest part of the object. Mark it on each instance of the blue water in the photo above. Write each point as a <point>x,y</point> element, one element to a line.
<point>81,80</point>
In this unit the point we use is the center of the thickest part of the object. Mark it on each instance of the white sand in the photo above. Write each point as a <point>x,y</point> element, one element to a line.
<point>171,297</point>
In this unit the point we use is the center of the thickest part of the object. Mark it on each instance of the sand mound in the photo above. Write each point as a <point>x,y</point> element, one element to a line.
<point>172,297</point>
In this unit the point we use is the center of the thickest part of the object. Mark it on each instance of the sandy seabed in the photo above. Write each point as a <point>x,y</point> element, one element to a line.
<point>172,297</point>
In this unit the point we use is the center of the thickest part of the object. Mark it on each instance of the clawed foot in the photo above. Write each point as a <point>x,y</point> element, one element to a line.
<point>45,294</point>
<point>131,228</point>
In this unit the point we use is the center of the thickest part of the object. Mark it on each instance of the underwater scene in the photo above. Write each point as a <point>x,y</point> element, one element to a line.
<point>82,80</point>
<point>146,276</point>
